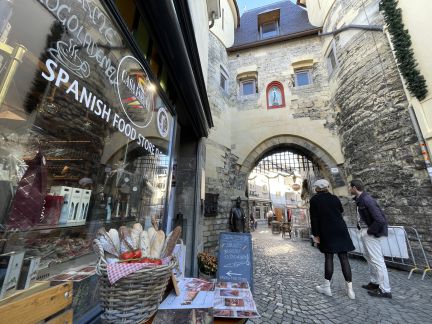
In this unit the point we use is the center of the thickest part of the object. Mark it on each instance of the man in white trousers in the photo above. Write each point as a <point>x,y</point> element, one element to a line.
<point>371,215</point>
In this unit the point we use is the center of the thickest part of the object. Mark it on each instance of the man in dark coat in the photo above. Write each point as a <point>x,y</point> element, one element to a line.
<point>330,231</point>
<point>372,216</point>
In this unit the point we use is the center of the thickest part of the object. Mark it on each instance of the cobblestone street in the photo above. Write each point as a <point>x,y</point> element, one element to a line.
<point>287,271</point>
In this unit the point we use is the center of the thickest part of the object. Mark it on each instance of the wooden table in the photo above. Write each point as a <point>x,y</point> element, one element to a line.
<point>217,320</point>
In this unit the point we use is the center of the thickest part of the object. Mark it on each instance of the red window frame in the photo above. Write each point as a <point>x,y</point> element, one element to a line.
<point>269,87</point>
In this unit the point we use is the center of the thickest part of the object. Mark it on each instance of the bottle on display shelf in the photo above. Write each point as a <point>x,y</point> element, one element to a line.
<point>117,211</point>
<point>108,209</point>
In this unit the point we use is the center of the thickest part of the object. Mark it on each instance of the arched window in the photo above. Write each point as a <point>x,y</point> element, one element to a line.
<point>275,95</point>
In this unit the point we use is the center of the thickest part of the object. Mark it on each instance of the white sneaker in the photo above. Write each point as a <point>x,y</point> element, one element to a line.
<point>324,288</point>
<point>350,291</point>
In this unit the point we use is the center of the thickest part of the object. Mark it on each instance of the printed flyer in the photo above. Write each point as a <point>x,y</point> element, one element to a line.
<point>234,299</point>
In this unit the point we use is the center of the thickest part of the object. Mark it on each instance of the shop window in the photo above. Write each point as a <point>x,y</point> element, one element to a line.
<point>78,150</point>
<point>275,95</point>
<point>303,78</point>
<point>223,79</point>
<point>331,60</point>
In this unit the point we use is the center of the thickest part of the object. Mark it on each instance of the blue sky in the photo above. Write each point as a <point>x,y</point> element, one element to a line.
<point>251,4</point>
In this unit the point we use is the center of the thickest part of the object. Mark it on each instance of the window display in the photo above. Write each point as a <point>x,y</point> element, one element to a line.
<point>85,140</point>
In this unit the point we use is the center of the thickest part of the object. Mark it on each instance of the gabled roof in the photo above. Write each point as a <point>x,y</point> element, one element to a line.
<point>293,21</point>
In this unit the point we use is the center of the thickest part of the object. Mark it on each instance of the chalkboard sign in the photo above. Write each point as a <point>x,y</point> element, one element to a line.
<point>235,261</point>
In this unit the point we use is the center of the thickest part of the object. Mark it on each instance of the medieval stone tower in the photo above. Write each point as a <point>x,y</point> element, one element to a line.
<point>326,90</point>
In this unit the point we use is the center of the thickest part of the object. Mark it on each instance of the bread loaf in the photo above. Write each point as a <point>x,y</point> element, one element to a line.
<point>151,234</point>
<point>171,242</point>
<point>144,244</point>
<point>138,227</point>
<point>157,244</point>
<point>106,242</point>
<point>126,242</point>
<point>115,238</point>
<point>135,233</point>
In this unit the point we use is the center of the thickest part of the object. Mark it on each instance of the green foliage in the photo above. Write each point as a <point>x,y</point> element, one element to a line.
<point>207,263</point>
<point>401,39</point>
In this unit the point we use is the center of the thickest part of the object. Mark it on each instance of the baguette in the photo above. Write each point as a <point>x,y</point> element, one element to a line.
<point>144,244</point>
<point>126,242</point>
<point>157,244</point>
<point>171,242</point>
<point>138,227</point>
<point>151,234</point>
<point>135,234</point>
<point>115,238</point>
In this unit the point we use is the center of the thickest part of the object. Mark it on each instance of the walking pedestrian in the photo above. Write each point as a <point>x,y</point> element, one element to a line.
<point>371,215</point>
<point>270,216</point>
<point>331,233</point>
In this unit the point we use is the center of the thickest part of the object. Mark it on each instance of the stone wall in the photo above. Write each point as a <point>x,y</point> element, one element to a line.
<point>243,123</point>
<point>378,140</point>
<point>227,184</point>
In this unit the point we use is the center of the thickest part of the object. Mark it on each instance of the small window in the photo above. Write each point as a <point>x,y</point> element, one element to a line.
<point>223,79</point>
<point>269,30</point>
<point>331,61</point>
<point>247,87</point>
<point>303,78</point>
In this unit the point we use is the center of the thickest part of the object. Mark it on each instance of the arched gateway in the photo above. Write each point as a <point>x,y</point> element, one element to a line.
<point>326,163</point>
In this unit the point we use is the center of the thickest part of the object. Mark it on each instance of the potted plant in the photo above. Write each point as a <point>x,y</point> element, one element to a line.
<point>207,265</point>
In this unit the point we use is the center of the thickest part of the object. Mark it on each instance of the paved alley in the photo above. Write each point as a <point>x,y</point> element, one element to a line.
<point>286,273</point>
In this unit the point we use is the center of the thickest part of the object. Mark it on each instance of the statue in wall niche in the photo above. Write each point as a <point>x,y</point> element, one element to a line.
<point>237,218</point>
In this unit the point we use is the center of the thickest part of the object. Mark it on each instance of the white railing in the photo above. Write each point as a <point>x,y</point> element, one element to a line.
<point>402,246</point>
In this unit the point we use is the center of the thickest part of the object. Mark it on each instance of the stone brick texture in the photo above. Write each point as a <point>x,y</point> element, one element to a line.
<point>362,103</point>
<point>378,140</point>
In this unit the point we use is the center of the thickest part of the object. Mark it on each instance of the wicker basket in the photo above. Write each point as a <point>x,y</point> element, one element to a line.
<point>134,298</point>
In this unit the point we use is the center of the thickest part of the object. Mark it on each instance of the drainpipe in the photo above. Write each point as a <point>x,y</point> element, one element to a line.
<point>362,27</point>
<point>423,146</point>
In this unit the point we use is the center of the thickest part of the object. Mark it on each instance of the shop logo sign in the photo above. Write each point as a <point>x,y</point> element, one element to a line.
<point>162,122</point>
<point>135,92</point>
<point>67,55</point>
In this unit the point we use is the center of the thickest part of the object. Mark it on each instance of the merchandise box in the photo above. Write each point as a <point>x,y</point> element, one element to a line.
<point>66,192</point>
<point>28,272</point>
<point>10,267</point>
<point>75,207</point>
<point>84,206</point>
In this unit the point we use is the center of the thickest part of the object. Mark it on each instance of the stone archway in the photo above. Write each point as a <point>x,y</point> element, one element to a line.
<point>325,161</point>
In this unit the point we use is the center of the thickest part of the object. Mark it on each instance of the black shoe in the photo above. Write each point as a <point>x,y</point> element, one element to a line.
<point>370,286</point>
<point>380,293</point>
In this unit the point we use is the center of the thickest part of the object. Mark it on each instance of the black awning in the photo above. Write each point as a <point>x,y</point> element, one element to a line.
<point>172,30</point>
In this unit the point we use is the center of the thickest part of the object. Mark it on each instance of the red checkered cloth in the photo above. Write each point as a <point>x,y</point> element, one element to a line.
<point>116,271</point>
